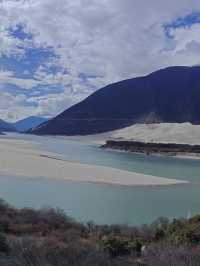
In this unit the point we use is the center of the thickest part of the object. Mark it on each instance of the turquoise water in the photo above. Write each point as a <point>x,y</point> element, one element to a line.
<point>108,204</point>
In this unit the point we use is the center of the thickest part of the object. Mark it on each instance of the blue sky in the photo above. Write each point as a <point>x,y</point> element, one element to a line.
<point>182,22</point>
<point>54,53</point>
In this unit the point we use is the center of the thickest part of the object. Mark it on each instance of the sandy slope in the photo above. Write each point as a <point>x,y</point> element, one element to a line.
<point>185,133</point>
<point>23,158</point>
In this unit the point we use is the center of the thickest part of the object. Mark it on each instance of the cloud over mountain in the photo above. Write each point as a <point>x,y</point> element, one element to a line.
<point>54,53</point>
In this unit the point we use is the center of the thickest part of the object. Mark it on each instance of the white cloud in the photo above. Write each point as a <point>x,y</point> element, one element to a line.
<point>8,77</point>
<point>12,107</point>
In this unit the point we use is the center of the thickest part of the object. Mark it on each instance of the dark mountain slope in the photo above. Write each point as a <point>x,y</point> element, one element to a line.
<point>167,95</point>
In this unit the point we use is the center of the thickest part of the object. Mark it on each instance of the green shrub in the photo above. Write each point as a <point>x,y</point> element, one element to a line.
<point>185,232</point>
<point>118,246</point>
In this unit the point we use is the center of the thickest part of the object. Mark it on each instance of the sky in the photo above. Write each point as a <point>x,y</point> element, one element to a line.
<point>54,53</point>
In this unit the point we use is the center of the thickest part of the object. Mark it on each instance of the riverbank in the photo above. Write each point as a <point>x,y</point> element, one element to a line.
<point>25,158</point>
<point>166,149</point>
<point>164,133</point>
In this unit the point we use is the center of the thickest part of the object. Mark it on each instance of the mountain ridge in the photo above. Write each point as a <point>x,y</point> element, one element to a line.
<point>169,95</point>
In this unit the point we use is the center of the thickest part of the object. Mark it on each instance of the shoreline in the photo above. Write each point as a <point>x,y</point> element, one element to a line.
<point>24,158</point>
<point>100,140</point>
<point>171,150</point>
<point>178,156</point>
<point>106,184</point>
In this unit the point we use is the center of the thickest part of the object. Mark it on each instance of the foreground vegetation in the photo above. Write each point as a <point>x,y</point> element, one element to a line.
<point>48,237</point>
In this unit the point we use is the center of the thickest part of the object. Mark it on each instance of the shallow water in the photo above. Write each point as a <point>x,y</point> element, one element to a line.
<point>104,203</point>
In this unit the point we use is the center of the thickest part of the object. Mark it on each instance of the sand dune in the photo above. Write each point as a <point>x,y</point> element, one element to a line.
<point>23,158</point>
<point>184,133</point>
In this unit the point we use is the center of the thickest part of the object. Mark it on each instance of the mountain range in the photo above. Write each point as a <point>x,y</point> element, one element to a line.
<point>28,123</point>
<point>6,127</point>
<point>22,125</point>
<point>169,95</point>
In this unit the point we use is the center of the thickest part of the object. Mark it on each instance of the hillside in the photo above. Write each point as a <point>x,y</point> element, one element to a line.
<point>29,122</point>
<point>7,127</point>
<point>170,95</point>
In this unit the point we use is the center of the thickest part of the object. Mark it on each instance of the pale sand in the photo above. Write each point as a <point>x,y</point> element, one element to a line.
<point>23,158</point>
<point>183,133</point>
<point>180,133</point>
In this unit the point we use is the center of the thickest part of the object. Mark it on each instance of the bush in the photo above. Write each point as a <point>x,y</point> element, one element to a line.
<point>118,246</point>
<point>165,255</point>
<point>185,232</point>
<point>49,237</point>
<point>4,247</point>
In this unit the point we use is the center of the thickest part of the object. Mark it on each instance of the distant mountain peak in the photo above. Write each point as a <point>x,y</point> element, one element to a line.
<point>7,127</point>
<point>29,122</point>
